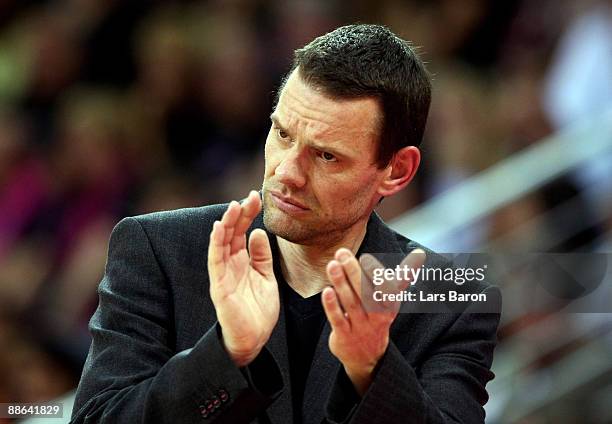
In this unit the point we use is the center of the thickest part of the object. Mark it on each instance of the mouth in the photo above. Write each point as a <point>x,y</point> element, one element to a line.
<point>287,204</point>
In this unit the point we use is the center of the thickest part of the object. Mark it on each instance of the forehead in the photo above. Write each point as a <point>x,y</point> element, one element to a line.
<point>307,112</point>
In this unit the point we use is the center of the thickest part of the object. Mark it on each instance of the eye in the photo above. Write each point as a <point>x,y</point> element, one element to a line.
<point>282,134</point>
<point>327,157</point>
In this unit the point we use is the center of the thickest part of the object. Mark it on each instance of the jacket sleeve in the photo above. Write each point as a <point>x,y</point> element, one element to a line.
<point>132,373</point>
<point>448,387</point>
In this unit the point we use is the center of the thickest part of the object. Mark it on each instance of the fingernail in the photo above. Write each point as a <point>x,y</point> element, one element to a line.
<point>344,256</point>
<point>328,294</point>
<point>366,260</point>
<point>335,269</point>
<point>416,256</point>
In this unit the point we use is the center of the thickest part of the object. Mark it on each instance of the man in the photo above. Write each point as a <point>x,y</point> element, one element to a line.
<point>270,325</point>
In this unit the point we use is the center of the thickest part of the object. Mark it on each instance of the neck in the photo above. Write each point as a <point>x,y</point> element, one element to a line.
<point>304,266</point>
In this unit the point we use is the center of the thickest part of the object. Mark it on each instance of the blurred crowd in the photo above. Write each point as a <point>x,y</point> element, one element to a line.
<point>114,108</point>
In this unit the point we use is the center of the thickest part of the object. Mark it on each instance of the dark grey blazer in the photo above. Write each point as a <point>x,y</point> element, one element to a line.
<point>156,355</point>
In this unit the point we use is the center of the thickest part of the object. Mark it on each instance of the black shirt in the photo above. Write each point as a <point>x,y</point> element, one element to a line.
<point>304,319</point>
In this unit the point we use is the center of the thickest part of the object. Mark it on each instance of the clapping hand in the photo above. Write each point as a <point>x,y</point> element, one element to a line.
<point>242,283</point>
<point>360,335</point>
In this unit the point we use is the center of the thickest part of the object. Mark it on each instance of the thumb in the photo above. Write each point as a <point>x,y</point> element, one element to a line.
<point>260,252</point>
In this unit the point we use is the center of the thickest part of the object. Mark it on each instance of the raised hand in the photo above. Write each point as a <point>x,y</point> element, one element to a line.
<point>242,283</point>
<point>360,335</point>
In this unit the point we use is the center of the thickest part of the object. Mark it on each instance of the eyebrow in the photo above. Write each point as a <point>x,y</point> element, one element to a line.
<point>275,120</point>
<point>312,144</point>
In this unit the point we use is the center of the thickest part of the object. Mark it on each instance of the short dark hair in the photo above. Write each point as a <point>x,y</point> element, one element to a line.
<point>371,61</point>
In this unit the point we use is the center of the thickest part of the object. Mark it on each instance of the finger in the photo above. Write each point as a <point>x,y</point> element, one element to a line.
<point>249,210</point>
<point>334,312</point>
<point>388,309</point>
<point>229,219</point>
<point>369,264</point>
<point>344,292</point>
<point>375,280</point>
<point>372,270</point>
<point>261,253</point>
<point>215,252</point>
<point>352,269</point>
<point>414,260</point>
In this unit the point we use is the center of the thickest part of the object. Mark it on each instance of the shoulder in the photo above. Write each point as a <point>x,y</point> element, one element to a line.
<point>406,245</point>
<point>176,239</point>
<point>444,261</point>
<point>173,229</point>
<point>185,216</point>
<point>177,222</point>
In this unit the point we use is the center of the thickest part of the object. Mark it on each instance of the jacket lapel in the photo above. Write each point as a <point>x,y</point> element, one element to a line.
<point>321,376</point>
<point>281,410</point>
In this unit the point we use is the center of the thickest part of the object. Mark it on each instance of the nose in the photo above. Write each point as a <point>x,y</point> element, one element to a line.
<point>290,170</point>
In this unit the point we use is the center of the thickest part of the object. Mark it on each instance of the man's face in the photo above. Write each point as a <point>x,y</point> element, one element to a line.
<point>321,177</point>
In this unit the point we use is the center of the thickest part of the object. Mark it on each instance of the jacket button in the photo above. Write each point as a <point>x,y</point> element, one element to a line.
<point>216,402</point>
<point>223,395</point>
<point>203,411</point>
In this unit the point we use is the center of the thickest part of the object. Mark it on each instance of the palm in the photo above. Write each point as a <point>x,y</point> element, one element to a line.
<point>242,283</point>
<point>365,338</point>
<point>250,299</point>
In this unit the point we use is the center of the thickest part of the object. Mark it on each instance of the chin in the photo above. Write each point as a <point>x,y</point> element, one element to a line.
<point>288,228</point>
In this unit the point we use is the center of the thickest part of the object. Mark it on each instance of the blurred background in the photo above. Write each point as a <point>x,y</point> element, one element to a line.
<point>113,108</point>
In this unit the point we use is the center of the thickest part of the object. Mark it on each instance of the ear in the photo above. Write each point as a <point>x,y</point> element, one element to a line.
<point>400,171</point>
